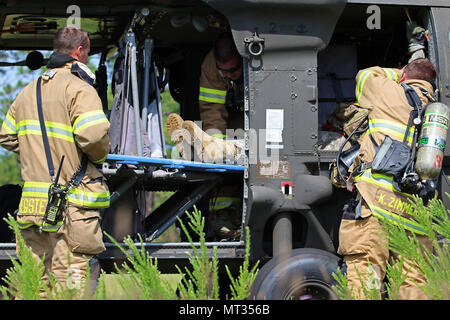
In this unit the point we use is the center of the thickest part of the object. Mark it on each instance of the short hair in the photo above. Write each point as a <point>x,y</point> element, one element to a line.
<point>68,39</point>
<point>224,48</point>
<point>421,69</point>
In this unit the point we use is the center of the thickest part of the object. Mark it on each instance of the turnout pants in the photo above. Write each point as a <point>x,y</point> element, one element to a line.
<point>66,253</point>
<point>363,242</point>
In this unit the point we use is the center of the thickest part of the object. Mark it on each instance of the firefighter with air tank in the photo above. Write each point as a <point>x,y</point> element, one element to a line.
<point>400,155</point>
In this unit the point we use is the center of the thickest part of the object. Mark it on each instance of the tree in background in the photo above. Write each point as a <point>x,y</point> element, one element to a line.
<point>433,265</point>
<point>12,81</point>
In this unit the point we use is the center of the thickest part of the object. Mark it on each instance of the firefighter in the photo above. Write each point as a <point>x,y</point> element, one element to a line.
<point>75,126</point>
<point>221,97</point>
<point>221,103</point>
<point>361,240</point>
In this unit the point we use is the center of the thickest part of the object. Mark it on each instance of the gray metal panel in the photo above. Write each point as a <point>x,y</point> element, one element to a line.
<point>440,17</point>
<point>175,250</point>
<point>431,3</point>
<point>284,25</point>
<point>295,93</point>
<point>282,80</point>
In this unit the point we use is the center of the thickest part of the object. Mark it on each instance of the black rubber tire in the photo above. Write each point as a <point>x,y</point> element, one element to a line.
<point>305,274</point>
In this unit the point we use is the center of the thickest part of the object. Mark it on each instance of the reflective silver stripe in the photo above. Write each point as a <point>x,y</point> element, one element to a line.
<point>89,200</point>
<point>212,95</point>
<point>390,128</point>
<point>76,196</point>
<point>396,219</point>
<point>54,129</point>
<point>45,226</point>
<point>10,124</point>
<point>49,129</point>
<point>89,119</point>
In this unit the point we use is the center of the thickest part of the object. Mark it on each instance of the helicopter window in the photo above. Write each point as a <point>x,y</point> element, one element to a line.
<point>356,44</point>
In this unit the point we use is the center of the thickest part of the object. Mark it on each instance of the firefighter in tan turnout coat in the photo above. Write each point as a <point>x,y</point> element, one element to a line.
<point>222,75</point>
<point>221,107</point>
<point>75,124</point>
<point>361,240</point>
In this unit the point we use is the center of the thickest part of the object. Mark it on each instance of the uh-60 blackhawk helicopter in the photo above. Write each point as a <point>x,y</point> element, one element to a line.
<point>300,59</point>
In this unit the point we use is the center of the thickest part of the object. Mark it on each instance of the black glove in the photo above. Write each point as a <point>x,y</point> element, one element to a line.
<point>416,38</point>
<point>428,190</point>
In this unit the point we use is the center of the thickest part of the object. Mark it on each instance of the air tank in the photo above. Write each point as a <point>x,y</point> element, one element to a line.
<point>431,142</point>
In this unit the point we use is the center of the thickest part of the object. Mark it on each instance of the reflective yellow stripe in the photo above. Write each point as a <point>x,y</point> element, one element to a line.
<point>35,189</point>
<point>212,95</point>
<point>7,128</point>
<point>386,182</point>
<point>221,203</point>
<point>89,119</point>
<point>219,135</point>
<point>24,224</point>
<point>89,199</point>
<point>82,198</point>
<point>100,161</point>
<point>52,124</point>
<point>213,91</point>
<point>206,99</point>
<point>9,124</point>
<point>51,228</point>
<point>11,119</point>
<point>54,129</point>
<point>390,128</point>
<point>380,180</point>
<point>45,226</point>
<point>360,84</point>
<point>391,74</point>
<point>362,80</point>
<point>396,219</point>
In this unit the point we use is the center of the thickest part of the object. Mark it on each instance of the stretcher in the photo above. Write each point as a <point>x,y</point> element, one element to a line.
<point>191,181</point>
<point>174,164</point>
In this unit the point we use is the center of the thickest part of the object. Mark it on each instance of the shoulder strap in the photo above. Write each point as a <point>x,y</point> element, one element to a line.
<point>415,102</point>
<point>412,96</point>
<point>79,174</point>
<point>51,169</point>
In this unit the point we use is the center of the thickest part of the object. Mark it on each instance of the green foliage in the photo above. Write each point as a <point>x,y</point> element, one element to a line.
<point>100,292</point>
<point>202,282</point>
<point>72,290</point>
<point>13,81</point>
<point>169,105</point>
<point>24,279</point>
<point>394,271</point>
<point>139,278</point>
<point>143,274</point>
<point>10,169</point>
<point>240,287</point>
<point>341,288</point>
<point>432,263</point>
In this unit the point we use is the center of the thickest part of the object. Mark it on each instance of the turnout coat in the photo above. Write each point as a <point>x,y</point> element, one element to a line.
<point>75,124</point>
<point>212,97</point>
<point>378,90</point>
